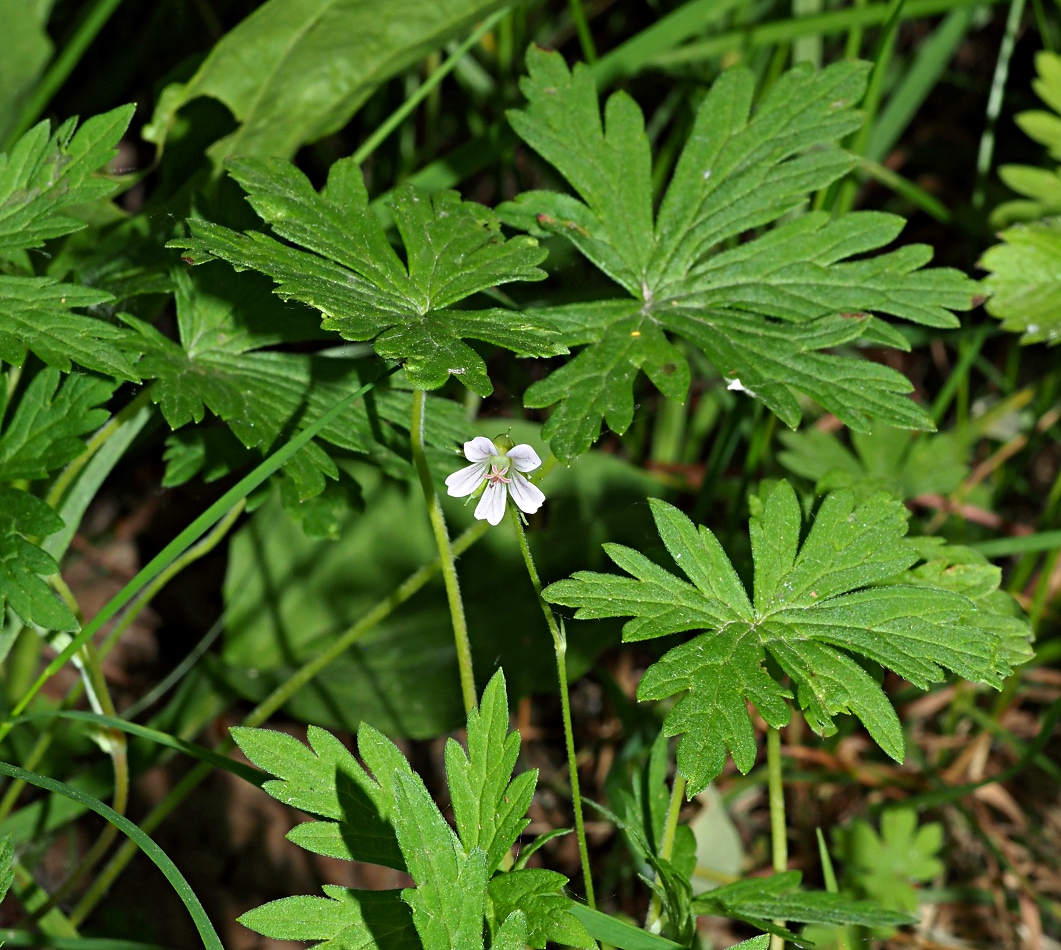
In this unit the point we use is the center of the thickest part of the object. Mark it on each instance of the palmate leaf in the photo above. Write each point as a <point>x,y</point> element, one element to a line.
<point>1023,282</point>
<point>44,430</point>
<point>763,311</point>
<point>41,179</point>
<point>24,516</point>
<point>221,363</point>
<point>761,902</point>
<point>382,813</point>
<point>813,604</point>
<point>350,273</point>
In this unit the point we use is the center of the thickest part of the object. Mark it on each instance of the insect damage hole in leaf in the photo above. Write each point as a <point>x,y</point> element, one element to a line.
<point>813,604</point>
<point>763,311</point>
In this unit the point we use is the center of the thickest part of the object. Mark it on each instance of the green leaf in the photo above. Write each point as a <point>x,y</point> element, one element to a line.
<point>295,71</point>
<point>762,311</point>
<point>489,806</point>
<point>351,274</point>
<point>891,460</point>
<point>288,595</point>
<point>886,866</point>
<point>41,179</point>
<point>44,430</point>
<point>538,893</point>
<point>761,901</point>
<point>344,920</point>
<point>327,781</point>
<point>1040,187</point>
<point>7,860</point>
<point>46,174</point>
<point>22,517</point>
<point>624,936</point>
<point>1024,284</point>
<point>814,603</point>
<point>27,51</point>
<point>449,898</point>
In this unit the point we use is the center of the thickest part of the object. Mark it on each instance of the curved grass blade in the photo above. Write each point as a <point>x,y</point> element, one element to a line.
<point>185,539</point>
<point>184,891</point>
<point>246,772</point>
<point>617,932</point>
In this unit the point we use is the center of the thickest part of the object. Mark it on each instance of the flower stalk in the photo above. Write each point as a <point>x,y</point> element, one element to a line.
<point>445,552</point>
<point>560,649</point>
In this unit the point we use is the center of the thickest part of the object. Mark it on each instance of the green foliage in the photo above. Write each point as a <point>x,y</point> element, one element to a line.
<point>351,273</point>
<point>288,596</point>
<point>1023,283</point>
<point>45,428</point>
<point>762,311</point>
<point>388,817</point>
<point>886,866</point>
<point>24,519</point>
<point>813,604</point>
<point>763,901</point>
<point>1041,188</point>
<point>27,51</point>
<point>42,179</point>
<point>295,71</point>
<point>884,459</point>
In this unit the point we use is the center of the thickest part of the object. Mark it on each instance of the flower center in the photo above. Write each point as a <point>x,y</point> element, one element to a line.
<point>498,473</point>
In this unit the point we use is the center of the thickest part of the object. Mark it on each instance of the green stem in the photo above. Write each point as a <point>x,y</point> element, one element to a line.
<point>560,648</point>
<point>270,705</point>
<point>426,88</point>
<point>666,848</point>
<point>585,38</point>
<point>67,476</point>
<point>445,552</point>
<point>62,67</point>
<point>994,99</point>
<point>778,830</point>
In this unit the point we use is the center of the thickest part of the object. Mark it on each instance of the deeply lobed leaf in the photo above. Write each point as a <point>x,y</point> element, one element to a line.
<point>343,266</point>
<point>814,603</point>
<point>763,311</point>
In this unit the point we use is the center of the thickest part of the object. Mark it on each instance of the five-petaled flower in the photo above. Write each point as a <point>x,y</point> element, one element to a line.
<point>500,467</point>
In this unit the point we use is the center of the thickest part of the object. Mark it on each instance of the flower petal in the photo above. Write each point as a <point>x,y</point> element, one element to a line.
<point>524,458</point>
<point>466,480</point>
<point>479,449</point>
<point>525,494</point>
<point>491,506</point>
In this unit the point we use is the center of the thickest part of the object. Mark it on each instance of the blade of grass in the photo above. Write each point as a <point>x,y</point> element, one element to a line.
<point>782,31</point>
<point>1021,544</point>
<point>161,860</point>
<point>920,78</point>
<point>994,100</point>
<point>585,37</point>
<point>185,539</point>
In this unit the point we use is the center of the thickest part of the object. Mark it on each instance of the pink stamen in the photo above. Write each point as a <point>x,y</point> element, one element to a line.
<point>496,476</point>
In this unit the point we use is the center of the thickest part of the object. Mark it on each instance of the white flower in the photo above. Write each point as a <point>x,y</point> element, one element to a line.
<point>501,470</point>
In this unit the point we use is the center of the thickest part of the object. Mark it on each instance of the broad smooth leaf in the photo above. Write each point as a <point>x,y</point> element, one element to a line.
<point>351,274</point>
<point>813,604</point>
<point>297,70</point>
<point>763,311</point>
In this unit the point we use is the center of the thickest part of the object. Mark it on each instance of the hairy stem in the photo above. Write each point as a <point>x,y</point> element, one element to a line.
<point>778,829</point>
<point>560,649</point>
<point>445,552</point>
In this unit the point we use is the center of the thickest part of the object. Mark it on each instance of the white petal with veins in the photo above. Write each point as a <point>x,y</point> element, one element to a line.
<point>524,458</point>
<point>479,449</point>
<point>466,480</point>
<point>525,494</point>
<point>491,506</point>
